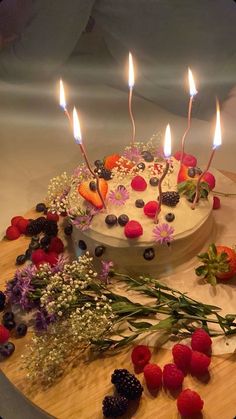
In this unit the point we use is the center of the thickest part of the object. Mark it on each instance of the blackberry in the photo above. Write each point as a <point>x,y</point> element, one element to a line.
<point>35,227</point>
<point>45,241</point>
<point>2,300</point>
<point>170,198</point>
<point>50,228</point>
<point>127,384</point>
<point>105,173</point>
<point>114,406</point>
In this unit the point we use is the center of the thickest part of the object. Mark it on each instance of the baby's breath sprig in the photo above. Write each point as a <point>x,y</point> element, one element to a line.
<point>57,195</point>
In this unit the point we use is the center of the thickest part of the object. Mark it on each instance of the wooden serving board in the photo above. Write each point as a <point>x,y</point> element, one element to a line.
<point>80,392</point>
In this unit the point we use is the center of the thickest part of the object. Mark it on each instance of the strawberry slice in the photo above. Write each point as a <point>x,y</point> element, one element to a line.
<point>111,161</point>
<point>91,195</point>
<point>218,263</point>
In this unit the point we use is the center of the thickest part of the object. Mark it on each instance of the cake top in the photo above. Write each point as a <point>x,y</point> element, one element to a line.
<point>129,185</point>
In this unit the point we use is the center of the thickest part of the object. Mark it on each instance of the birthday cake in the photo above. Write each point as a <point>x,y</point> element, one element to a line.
<point>124,222</point>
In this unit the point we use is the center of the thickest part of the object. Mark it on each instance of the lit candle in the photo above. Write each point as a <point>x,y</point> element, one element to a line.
<point>167,154</point>
<point>192,93</point>
<point>78,140</point>
<point>62,101</point>
<point>216,143</point>
<point>131,85</point>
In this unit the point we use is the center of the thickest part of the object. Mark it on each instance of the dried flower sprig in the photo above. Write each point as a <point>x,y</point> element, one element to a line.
<point>57,195</point>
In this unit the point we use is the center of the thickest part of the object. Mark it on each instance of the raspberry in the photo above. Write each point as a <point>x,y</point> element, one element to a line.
<point>52,258</point>
<point>140,356</point>
<point>138,183</point>
<point>52,217</point>
<point>216,202</point>
<point>182,356</point>
<point>172,377</point>
<point>56,245</point>
<point>177,155</point>
<point>153,376</point>
<point>4,334</point>
<point>201,341</point>
<point>189,403</point>
<point>12,233</point>
<point>22,225</point>
<point>189,160</point>
<point>133,229</point>
<point>210,179</point>
<point>14,220</point>
<point>151,208</point>
<point>199,363</point>
<point>38,256</point>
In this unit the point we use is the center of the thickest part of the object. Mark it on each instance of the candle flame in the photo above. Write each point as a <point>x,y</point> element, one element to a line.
<point>76,127</point>
<point>217,137</point>
<point>131,71</point>
<point>167,143</point>
<point>192,87</point>
<point>62,95</point>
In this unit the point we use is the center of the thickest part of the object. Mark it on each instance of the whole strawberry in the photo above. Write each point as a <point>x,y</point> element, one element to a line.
<point>189,403</point>
<point>153,376</point>
<point>173,377</point>
<point>182,356</point>
<point>218,263</point>
<point>199,363</point>
<point>201,341</point>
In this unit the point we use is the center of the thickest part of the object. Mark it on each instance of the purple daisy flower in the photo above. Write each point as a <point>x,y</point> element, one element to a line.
<point>133,154</point>
<point>163,233</point>
<point>105,272</point>
<point>118,196</point>
<point>43,319</point>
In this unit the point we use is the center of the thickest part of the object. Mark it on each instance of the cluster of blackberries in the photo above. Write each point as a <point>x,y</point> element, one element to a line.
<point>101,170</point>
<point>128,388</point>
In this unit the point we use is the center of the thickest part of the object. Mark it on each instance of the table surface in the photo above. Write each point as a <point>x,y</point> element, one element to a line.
<point>80,393</point>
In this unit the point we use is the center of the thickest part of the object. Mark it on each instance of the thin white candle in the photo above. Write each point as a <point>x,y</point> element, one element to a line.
<point>167,154</point>
<point>217,141</point>
<point>131,85</point>
<point>192,93</point>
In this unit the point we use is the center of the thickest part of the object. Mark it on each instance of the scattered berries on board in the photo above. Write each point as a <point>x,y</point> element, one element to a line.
<point>12,233</point>
<point>114,406</point>
<point>199,363</point>
<point>153,376</point>
<point>201,341</point>
<point>140,356</point>
<point>216,202</point>
<point>173,377</point>
<point>4,334</point>
<point>182,356</point>
<point>127,384</point>
<point>189,403</point>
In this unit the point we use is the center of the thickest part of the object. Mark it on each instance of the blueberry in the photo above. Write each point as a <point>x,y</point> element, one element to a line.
<point>99,250</point>
<point>141,166</point>
<point>45,241</point>
<point>98,163</point>
<point>28,253</point>
<point>170,217</point>
<point>82,245</point>
<point>21,330</point>
<point>191,172</point>
<point>148,157</point>
<point>93,185</point>
<point>7,349</point>
<point>20,259</point>
<point>40,207</point>
<point>149,253</point>
<point>9,315</point>
<point>123,219</point>
<point>9,324</point>
<point>139,203</point>
<point>68,230</point>
<point>111,220</point>
<point>154,181</point>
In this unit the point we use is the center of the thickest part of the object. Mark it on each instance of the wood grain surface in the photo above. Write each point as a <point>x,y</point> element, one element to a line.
<point>80,393</point>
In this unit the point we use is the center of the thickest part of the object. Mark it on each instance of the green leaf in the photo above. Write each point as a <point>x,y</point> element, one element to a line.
<point>140,325</point>
<point>164,324</point>
<point>201,270</point>
<point>212,251</point>
<point>203,256</point>
<point>125,341</point>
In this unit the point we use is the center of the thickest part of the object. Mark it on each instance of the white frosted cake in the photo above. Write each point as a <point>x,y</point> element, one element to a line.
<point>125,231</point>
